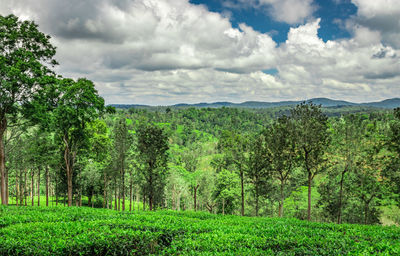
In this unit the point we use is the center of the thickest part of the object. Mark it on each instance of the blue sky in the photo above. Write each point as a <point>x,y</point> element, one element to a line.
<point>332,12</point>
<point>161,52</point>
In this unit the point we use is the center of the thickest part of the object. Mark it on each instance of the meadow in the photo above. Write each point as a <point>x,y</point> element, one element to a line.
<point>91,231</point>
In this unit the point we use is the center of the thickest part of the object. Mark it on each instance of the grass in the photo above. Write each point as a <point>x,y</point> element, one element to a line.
<point>87,231</point>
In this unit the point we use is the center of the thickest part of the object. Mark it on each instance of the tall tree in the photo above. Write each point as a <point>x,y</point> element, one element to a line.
<point>24,54</point>
<point>153,148</point>
<point>77,104</point>
<point>234,148</point>
<point>312,139</point>
<point>281,153</point>
<point>121,145</point>
<point>257,170</point>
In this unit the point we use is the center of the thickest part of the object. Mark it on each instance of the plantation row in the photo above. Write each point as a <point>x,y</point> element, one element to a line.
<point>85,231</point>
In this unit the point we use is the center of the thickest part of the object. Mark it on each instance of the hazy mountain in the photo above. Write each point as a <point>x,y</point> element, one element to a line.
<point>325,102</point>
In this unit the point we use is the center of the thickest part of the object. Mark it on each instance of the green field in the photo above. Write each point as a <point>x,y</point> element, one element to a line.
<point>87,231</point>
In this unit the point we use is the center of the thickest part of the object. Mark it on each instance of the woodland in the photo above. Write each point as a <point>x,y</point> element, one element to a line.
<point>60,145</point>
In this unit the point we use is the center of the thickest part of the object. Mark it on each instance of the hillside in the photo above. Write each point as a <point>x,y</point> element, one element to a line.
<point>87,231</point>
<point>325,102</point>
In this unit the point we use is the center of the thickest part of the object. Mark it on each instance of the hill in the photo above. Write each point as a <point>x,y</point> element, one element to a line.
<point>325,102</point>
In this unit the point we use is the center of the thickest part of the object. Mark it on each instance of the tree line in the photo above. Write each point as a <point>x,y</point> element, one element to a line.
<point>59,138</point>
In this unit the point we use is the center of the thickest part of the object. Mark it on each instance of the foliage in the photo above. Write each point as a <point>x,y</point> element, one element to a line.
<point>85,231</point>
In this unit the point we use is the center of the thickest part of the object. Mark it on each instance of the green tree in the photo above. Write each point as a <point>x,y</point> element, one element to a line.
<point>281,153</point>
<point>25,53</point>
<point>76,105</point>
<point>234,148</point>
<point>153,152</point>
<point>312,139</point>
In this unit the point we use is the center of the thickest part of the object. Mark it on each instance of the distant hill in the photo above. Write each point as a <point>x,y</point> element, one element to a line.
<point>325,102</point>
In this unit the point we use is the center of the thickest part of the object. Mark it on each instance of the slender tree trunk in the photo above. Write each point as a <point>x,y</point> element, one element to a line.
<point>282,199</point>
<point>366,213</point>
<point>309,197</point>
<point>69,168</point>
<point>144,201</point>
<point>26,187</point>
<point>115,194</point>
<point>3,192</point>
<point>32,186</point>
<point>7,190</point>
<point>151,192</point>
<point>257,198</point>
<point>339,219</point>
<point>195,197</point>
<point>91,197</point>
<point>123,188</point>
<point>16,188</point>
<point>130,195</point>
<point>47,185</point>
<point>38,187</point>
<point>223,206</point>
<point>105,201</point>
<point>242,190</point>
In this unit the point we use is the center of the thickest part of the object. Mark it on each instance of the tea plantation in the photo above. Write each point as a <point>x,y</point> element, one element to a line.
<point>86,231</point>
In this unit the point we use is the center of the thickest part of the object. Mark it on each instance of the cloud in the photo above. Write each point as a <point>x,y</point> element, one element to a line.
<point>287,11</point>
<point>162,52</point>
<point>380,16</point>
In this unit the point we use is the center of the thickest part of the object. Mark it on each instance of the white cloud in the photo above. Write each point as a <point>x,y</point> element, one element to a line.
<point>289,11</point>
<point>162,52</point>
<point>380,16</point>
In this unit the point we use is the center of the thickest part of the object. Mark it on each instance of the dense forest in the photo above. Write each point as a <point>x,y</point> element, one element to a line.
<point>59,141</point>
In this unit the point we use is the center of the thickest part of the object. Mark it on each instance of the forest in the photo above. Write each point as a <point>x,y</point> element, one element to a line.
<point>61,145</point>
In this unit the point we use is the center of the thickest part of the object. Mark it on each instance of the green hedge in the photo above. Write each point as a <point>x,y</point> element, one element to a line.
<point>86,231</point>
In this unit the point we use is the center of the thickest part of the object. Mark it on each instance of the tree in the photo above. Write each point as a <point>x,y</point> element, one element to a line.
<point>257,170</point>
<point>121,145</point>
<point>153,149</point>
<point>76,105</point>
<point>24,53</point>
<point>281,153</point>
<point>312,139</point>
<point>392,171</point>
<point>234,148</point>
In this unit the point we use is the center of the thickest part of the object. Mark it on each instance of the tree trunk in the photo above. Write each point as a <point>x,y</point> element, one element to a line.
<point>339,219</point>
<point>282,199</point>
<point>105,201</point>
<point>90,197</point>
<point>366,213</point>
<point>16,188</point>
<point>69,168</point>
<point>38,187</point>
<point>47,185</point>
<point>151,191</point>
<point>123,188</point>
<point>195,197</point>
<point>3,192</point>
<point>26,187</point>
<point>115,195</point>
<point>309,197</point>
<point>32,186</point>
<point>223,206</point>
<point>242,188</point>
<point>130,195</point>
<point>257,199</point>
<point>144,201</point>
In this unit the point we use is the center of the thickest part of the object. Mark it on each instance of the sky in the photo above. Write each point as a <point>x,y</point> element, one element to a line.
<point>162,52</point>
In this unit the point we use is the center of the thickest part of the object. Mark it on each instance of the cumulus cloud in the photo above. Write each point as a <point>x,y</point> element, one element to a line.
<point>382,16</point>
<point>163,52</point>
<point>287,11</point>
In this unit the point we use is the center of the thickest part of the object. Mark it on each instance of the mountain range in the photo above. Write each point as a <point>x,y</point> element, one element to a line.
<point>324,102</point>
